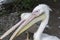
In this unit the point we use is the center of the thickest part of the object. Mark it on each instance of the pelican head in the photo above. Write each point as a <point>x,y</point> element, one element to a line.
<point>41,8</point>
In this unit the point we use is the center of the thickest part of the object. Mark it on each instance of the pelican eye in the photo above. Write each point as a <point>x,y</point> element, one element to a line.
<point>36,11</point>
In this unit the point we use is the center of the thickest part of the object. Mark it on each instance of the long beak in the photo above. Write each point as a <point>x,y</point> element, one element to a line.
<point>11,29</point>
<point>27,24</point>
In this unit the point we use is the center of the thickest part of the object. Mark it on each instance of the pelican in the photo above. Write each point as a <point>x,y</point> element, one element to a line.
<point>38,35</point>
<point>34,15</point>
<point>39,13</point>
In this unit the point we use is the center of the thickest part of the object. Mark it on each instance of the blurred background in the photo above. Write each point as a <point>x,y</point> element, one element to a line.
<point>10,11</point>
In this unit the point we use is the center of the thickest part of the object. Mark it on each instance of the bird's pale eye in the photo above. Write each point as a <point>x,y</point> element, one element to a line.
<point>36,11</point>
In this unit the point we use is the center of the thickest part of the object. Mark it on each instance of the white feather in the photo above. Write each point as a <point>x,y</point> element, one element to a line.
<point>48,37</point>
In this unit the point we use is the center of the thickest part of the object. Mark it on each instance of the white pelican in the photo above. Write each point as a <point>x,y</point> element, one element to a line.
<point>33,15</point>
<point>42,8</point>
<point>38,35</point>
<point>32,19</point>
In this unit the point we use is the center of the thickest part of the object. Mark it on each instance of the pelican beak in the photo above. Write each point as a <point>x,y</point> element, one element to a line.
<point>39,18</point>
